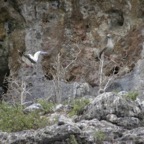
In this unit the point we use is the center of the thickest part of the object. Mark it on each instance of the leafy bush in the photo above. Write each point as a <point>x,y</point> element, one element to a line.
<point>99,136</point>
<point>13,119</point>
<point>73,139</point>
<point>77,106</point>
<point>47,106</point>
<point>132,95</point>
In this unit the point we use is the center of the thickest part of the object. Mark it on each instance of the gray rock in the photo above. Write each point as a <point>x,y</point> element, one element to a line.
<point>85,132</point>
<point>133,81</point>
<point>58,107</point>
<point>49,134</point>
<point>81,89</point>
<point>116,114</point>
<point>112,103</point>
<point>92,129</point>
<point>64,120</point>
<point>126,122</point>
<point>115,86</point>
<point>134,136</point>
<point>42,88</point>
<point>122,93</point>
<point>53,118</point>
<point>33,107</point>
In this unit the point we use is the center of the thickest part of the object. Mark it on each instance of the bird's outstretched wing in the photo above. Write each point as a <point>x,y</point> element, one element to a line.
<point>28,57</point>
<point>36,55</point>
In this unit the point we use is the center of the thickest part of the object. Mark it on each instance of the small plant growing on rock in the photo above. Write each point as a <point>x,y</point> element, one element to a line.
<point>47,106</point>
<point>99,136</point>
<point>73,139</point>
<point>77,106</point>
<point>132,95</point>
<point>12,118</point>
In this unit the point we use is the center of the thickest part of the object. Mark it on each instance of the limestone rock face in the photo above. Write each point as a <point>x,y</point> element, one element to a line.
<point>116,108</point>
<point>72,33</point>
<point>132,136</point>
<point>46,135</point>
<point>109,118</point>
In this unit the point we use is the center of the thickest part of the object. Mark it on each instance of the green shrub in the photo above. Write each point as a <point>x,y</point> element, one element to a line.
<point>13,119</point>
<point>132,95</point>
<point>73,139</point>
<point>77,106</point>
<point>47,106</point>
<point>99,136</point>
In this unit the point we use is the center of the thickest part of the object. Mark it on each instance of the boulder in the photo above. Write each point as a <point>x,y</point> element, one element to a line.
<point>116,108</point>
<point>33,107</point>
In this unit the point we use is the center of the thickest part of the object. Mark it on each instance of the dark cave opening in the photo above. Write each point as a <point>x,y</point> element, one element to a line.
<point>116,16</point>
<point>4,81</point>
<point>115,70</point>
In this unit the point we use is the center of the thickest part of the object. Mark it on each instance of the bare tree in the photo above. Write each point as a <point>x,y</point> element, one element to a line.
<point>17,90</point>
<point>104,81</point>
<point>61,73</point>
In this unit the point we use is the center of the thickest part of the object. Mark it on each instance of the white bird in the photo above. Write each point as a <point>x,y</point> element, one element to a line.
<point>30,59</point>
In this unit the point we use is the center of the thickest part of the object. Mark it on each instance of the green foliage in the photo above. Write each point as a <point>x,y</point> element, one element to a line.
<point>77,106</point>
<point>47,106</point>
<point>115,91</point>
<point>13,119</point>
<point>132,95</point>
<point>73,139</point>
<point>99,136</point>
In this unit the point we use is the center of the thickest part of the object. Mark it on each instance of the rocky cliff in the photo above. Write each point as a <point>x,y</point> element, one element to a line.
<point>73,33</point>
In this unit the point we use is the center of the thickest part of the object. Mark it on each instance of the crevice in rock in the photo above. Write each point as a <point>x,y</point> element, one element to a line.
<point>71,78</point>
<point>115,70</point>
<point>49,76</point>
<point>3,81</point>
<point>116,17</point>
